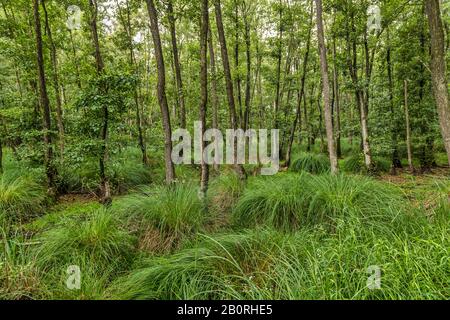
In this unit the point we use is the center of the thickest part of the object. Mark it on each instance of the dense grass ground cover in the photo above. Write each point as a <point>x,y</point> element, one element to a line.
<point>302,234</point>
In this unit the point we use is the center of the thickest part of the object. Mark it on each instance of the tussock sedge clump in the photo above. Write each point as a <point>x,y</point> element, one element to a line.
<point>288,202</point>
<point>95,241</point>
<point>309,264</point>
<point>355,164</point>
<point>164,215</point>
<point>21,197</point>
<point>312,163</point>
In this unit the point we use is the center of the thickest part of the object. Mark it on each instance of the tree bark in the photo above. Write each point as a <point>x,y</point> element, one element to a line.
<point>408,129</point>
<point>214,95</point>
<point>104,180</point>
<point>249,64</point>
<point>439,69</point>
<point>229,83</point>
<point>45,104</point>
<point>204,22</point>
<point>161,89</point>
<point>56,86</point>
<point>129,31</point>
<point>337,102</point>
<point>326,89</point>
<point>176,62</point>
<point>301,93</point>
<point>396,163</point>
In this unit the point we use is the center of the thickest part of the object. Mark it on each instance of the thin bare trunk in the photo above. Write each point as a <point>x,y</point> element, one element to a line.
<point>48,158</point>
<point>56,86</point>
<point>229,83</point>
<point>439,69</point>
<point>326,89</point>
<point>204,180</point>
<point>408,128</point>
<point>162,98</point>
<point>177,66</point>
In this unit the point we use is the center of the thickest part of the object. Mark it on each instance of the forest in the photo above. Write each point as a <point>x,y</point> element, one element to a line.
<point>345,196</point>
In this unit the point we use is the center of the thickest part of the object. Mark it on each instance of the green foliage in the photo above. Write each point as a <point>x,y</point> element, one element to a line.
<point>312,163</point>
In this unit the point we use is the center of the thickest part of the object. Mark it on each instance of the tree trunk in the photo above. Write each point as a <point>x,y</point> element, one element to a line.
<point>229,83</point>
<point>408,129</point>
<point>359,95</point>
<point>301,93</point>
<point>170,170</point>
<point>204,22</point>
<point>326,89</point>
<point>236,62</point>
<point>56,86</point>
<point>396,163</point>
<point>337,103</point>
<point>248,80</point>
<point>278,76</point>
<point>439,69</point>
<point>214,95</point>
<point>104,180</point>
<point>129,31</point>
<point>45,104</point>
<point>176,61</point>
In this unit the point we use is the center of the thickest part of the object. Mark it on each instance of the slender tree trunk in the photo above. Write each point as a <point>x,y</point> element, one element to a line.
<point>126,22</point>
<point>229,83</point>
<point>214,95</point>
<point>204,22</point>
<point>170,170</point>
<point>249,64</point>
<point>326,89</point>
<point>439,69</point>
<point>176,61</point>
<point>75,57</point>
<point>49,166</point>
<point>359,95</point>
<point>408,129</point>
<point>104,180</point>
<point>278,76</point>
<point>236,62</point>
<point>56,86</point>
<point>301,93</point>
<point>396,163</point>
<point>337,103</point>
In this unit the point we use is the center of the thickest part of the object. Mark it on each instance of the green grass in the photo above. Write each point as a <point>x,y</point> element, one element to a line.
<point>355,164</point>
<point>288,202</point>
<point>309,264</point>
<point>21,197</point>
<point>164,214</point>
<point>312,163</point>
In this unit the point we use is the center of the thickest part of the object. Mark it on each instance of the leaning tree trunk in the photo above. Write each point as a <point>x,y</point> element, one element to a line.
<point>176,62</point>
<point>326,89</point>
<point>204,22</point>
<point>248,80</point>
<point>56,86</point>
<point>45,104</point>
<point>439,69</point>
<point>162,98</point>
<point>229,83</point>
<point>104,180</point>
